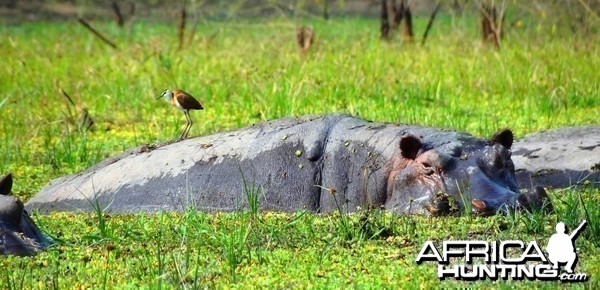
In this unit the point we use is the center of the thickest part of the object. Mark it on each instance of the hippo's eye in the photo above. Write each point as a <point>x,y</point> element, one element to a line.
<point>428,169</point>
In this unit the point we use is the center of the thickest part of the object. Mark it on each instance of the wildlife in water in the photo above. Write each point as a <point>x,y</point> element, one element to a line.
<point>295,163</point>
<point>18,233</point>
<point>184,102</point>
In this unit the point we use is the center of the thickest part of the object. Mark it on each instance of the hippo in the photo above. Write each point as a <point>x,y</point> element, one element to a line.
<point>315,163</point>
<point>18,233</point>
<point>559,158</point>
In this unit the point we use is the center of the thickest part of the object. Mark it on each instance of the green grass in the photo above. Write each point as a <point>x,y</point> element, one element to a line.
<point>251,71</point>
<point>242,249</point>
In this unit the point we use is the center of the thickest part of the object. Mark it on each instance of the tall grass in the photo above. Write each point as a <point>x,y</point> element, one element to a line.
<point>577,205</point>
<point>252,72</point>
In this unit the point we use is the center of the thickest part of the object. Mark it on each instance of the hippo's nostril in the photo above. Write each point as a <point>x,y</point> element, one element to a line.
<point>536,200</point>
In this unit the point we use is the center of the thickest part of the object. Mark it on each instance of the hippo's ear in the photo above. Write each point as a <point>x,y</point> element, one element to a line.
<point>410,146</point>
<point>504,138</point>
<point>6,184</point>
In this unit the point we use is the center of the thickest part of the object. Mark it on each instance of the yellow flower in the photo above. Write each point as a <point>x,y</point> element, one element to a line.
<point>519,23</point>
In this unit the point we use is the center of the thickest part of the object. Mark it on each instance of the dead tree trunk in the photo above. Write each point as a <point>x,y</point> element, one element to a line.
<point>488,17</point>
<point>400,16</point>
<point>385,21</point>
<point>407,28</point>
<point>131,20</point>
<point>397,13</point>
<point>181,27</point>
<point>304,38</point>
<point>117,13</point>
<point>491,24</point>
<point>131,8</point>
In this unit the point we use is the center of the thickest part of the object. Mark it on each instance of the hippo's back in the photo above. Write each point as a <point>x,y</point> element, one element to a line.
<point>558,158</point>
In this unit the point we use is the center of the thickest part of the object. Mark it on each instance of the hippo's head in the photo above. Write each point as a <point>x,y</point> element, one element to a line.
<point>449,175</point>
<point>18,234</point>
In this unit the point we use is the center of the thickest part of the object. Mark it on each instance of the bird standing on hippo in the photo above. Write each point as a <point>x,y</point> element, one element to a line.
<point>293,163</point>
<point>184,102</point>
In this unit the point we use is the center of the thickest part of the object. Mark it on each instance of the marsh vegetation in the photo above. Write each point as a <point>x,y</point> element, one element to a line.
<point>247,71</point>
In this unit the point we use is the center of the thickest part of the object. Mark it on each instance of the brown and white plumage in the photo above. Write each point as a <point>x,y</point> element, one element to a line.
<point>184,102</point>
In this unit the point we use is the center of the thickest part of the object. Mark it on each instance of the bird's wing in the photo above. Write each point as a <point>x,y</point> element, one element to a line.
<point>187,101</point>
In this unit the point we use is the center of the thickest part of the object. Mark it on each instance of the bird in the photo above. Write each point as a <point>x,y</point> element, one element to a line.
<point>184,102</point>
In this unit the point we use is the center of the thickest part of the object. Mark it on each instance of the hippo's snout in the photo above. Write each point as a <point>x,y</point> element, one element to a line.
<point>535,200</point>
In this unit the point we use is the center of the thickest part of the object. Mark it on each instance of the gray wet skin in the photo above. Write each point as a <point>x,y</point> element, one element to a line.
<point>18,233</point>
<point>559,158</point>
<point>296,164</point>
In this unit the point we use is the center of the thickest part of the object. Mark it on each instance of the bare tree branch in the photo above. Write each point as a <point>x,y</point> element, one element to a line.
<point>95,32</point>
<point>430,23</point>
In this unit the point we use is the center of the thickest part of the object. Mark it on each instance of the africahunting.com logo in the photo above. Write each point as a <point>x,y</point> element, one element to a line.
<point>512,259</point>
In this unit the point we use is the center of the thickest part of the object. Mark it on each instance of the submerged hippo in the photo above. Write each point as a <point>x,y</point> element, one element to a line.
<point>18,233</point>
<point>317,163</point>
<point>559,158</point>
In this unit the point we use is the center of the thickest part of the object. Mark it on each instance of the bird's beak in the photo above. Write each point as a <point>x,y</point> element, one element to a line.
<point>160,96</point>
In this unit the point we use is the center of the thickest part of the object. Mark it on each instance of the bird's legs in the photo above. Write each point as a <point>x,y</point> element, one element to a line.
<point>186,126</point>
<point>190,124</point>
<point>186,131</point>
